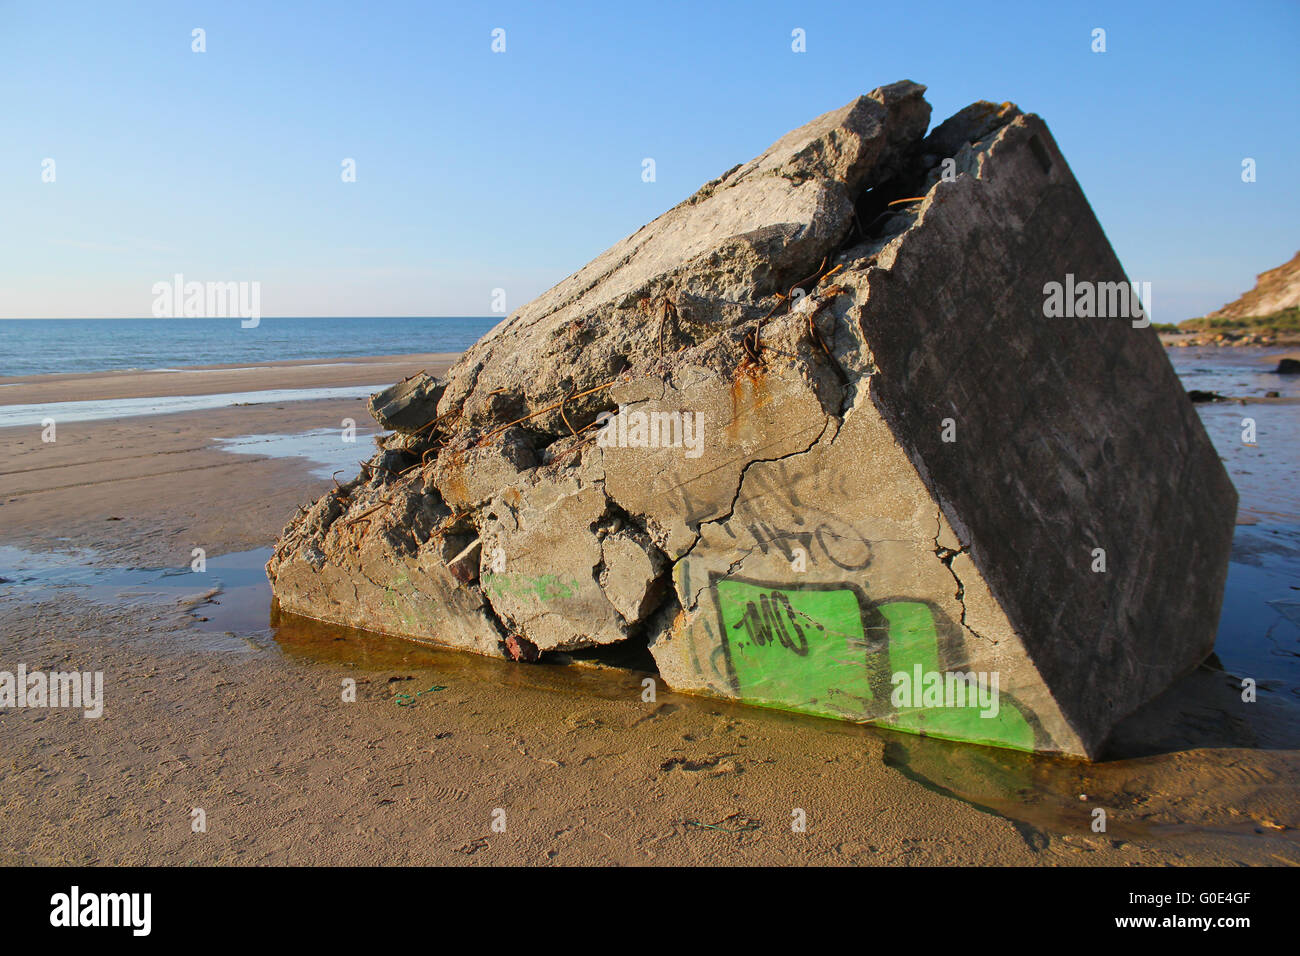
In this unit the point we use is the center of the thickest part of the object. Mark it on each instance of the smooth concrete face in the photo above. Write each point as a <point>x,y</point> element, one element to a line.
<point>816,443</point>
<point>825,587</point>
<point>734,421</point>
<point>1073,435</point>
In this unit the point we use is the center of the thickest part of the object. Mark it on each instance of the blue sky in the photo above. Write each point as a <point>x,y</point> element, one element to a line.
<point>478,170</point>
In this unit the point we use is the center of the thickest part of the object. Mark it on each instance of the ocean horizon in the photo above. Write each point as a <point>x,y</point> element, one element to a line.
<point>50,346</point>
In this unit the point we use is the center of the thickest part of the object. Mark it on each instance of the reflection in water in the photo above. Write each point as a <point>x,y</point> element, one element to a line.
<point>1236,792</point>
<point>1163,781</point>
<point>1185,788</point>
<point>322,643</point>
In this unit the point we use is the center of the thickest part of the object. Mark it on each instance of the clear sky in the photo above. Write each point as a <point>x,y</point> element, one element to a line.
<point>479,170</point>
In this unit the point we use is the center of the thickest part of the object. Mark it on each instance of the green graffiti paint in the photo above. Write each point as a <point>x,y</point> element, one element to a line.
<point>797,649</point>
<point>913,641</point>
<point>544,587</point>
<point>807,649</point>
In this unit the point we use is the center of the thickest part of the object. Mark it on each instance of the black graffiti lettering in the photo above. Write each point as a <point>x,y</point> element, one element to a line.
<point>765,535</point>
<point>828,537</point>
<point>823,531</point>
<point>753,624</point>
<point>763,623</point>
<point>781,487</point>
<point>718,661</point>
<point>772,623</point>
<point>802,649</point>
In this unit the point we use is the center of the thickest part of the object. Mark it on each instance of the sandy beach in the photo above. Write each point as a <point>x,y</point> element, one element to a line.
<point>146,490</point>
<point>206,706</point>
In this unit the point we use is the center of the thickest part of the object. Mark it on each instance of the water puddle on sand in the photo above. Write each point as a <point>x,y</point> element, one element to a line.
<point>323,447</point>
<point>333,645</point>
<point>1266,473</point>
<point>1237,372</point>
<point>232,597</point>
<point>1259,628</point>
<point>233,583</point>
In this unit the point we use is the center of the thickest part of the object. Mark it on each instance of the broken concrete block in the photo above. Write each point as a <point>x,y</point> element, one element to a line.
<point>546,585</point>
<point>812,438</point>
<point>409,405</point>
<point>632,578</point>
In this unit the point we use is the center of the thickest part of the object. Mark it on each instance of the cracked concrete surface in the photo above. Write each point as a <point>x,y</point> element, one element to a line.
<point>721,440</point>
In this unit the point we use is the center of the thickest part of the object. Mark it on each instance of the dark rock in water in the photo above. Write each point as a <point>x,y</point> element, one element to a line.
<point>1196,395</point>
<point>1272,394</point>
<point>409,405</point>
<point>813,437</point>
<point>1288,366</point>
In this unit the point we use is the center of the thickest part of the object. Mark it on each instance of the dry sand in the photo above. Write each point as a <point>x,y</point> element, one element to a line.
<point>251,726</point>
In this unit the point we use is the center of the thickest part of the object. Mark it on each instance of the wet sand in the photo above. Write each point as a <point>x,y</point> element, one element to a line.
<point>206,706</point>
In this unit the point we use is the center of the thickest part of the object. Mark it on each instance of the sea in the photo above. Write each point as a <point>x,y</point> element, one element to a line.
<point>45,346</point>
